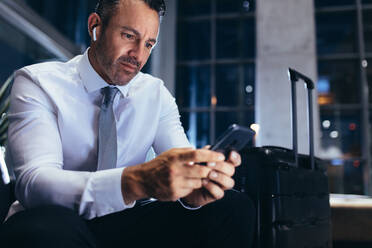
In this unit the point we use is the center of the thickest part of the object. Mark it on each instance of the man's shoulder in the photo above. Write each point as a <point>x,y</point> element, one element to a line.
<point>149,78</point>
<point>49,68</point>
<point>144,83</point>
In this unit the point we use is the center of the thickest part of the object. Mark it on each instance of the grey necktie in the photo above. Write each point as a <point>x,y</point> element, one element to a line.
<point>107,144</point>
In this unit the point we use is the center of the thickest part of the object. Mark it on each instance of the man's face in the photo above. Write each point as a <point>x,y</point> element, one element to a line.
<point>126,42</point>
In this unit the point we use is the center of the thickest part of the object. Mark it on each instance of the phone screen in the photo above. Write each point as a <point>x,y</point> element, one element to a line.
<point>234,138</point>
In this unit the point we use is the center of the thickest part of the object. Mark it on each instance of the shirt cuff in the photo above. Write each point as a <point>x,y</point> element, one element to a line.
<point>185,205</point>
<point>103,194</point>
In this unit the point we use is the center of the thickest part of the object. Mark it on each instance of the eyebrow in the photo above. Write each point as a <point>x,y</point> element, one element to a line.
<point>137,33</point>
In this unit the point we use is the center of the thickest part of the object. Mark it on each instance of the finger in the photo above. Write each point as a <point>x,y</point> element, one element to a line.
<point>179,150</point>
<point>195,171</point>
<point>222,180</point>
<point>213,189</point>
<point>200,155</point>
<point>192,183</point>
<point>183,187</point>
<point>235,158</point>
<point>207,147</point>
<point>223,167</point>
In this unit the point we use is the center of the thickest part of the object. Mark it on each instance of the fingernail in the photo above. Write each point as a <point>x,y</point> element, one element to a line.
<point>234,155</point>
<point>211,164</point>
<point>205,181</point>
<point>190,163</point>
<point>221,157</point>
<point>214,174</point>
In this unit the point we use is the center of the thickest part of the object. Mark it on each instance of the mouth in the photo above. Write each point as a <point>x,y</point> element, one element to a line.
<point>129,67</point>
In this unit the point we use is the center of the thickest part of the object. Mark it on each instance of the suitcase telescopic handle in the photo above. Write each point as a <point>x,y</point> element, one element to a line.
<point>294,77</point>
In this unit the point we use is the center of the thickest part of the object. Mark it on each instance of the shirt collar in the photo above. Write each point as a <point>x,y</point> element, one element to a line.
<point>92,81</point>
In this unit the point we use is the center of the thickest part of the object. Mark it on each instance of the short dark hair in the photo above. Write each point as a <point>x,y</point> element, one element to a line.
<point>106,8</point>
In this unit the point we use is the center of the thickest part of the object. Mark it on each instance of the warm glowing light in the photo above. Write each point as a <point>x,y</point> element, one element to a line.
<point>214,100</point>
<point>255,127</point>
<point>325,99</point>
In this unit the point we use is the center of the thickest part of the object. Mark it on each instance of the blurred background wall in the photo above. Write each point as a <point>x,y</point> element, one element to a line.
<point>226,62</point>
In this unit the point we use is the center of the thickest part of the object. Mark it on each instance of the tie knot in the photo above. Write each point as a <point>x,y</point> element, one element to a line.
<point>109,94</point>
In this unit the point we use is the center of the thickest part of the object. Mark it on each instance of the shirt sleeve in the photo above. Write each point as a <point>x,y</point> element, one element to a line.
<point>170,133</point>
<point>37,157</point>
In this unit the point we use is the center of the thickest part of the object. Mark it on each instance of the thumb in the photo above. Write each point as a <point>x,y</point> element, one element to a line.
<point>207,147</point>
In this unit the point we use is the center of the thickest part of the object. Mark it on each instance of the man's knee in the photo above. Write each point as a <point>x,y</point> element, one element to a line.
<point>50,226</point>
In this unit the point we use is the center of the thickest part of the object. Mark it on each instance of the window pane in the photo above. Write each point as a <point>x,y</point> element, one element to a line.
<point>22,49</point>
<point>194,7</point>
<point>346,177</point>
<point>353,177</point>
<point>228,45</point>
<point>196,127</point>
<point>333,3</point>
<point>336,32</point>
<point>338,82</point>
<point>194,40</point>
<point>367,16</point>
<point>69,17</point>
<point>228,91</point>
<point>369,79</point>
<point>249,38</point>
<point>228,6</point>
<point>236,38</point>
<point>249,84</point>
<point>225,119</point>
<point>193,86</point>
<point>341,133</point>
<point>341,141</point>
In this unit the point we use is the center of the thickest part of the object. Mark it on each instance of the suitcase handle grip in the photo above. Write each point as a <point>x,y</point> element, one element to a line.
<point>294,77</point>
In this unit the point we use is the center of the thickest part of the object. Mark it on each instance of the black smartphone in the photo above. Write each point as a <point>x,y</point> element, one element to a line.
<point>233,139</point>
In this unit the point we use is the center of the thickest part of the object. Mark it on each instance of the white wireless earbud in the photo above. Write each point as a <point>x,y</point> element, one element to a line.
<point>94,34</point>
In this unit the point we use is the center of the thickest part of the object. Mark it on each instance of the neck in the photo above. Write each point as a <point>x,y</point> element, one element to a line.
<point>96,66</point>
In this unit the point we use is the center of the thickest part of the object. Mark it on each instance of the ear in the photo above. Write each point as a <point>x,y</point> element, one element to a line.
<point>94,21</point>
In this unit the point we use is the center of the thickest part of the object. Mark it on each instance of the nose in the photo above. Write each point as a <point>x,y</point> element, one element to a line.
<point>137,51</point>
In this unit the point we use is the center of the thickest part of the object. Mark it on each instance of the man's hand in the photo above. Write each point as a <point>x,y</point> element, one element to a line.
<point>175,174</point>
<point>219,179</point>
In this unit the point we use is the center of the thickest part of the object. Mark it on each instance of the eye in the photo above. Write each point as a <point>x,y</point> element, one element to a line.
<point>128,36</point>
<point>149,45</point>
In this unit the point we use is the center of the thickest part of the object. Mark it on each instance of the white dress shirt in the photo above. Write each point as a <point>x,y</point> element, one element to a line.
<point>53,134</point>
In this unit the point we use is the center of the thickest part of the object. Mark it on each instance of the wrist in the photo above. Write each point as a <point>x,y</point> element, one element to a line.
<point>131,185</point>
<point>187,205</point>
<point>189,201</point>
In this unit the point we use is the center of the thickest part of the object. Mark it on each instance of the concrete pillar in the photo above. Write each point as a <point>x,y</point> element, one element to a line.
<point>285,38</point>
<point>163,63</point>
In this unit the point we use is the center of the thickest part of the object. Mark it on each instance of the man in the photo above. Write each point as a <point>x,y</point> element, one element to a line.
<point>78,138</point>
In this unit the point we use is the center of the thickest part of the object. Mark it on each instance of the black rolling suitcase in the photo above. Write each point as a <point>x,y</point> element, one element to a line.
<point>290,190</point>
